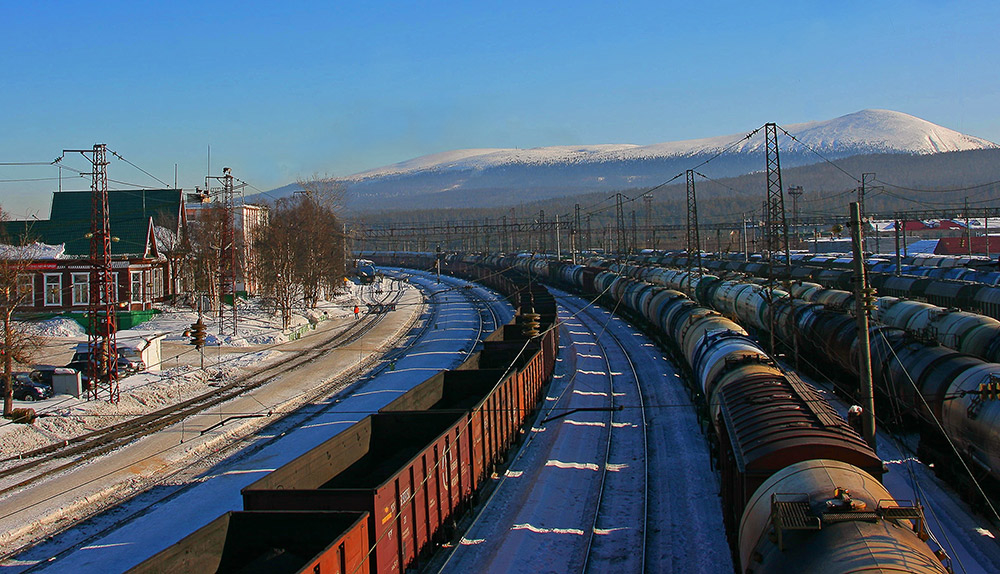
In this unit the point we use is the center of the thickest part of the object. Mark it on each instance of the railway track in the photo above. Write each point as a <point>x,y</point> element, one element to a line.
<point>184,479</point>
<point>617,491</point>
<point>45,461</point>
<point>572,520</point>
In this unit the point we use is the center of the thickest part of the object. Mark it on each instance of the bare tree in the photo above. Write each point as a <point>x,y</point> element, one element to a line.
<point>205,233</point>
<point>173,244</point>
<point>276,251</point>
<point>19,346</point>
<point>328,192</point>
<point>300,252</point>
<point>321,264</point>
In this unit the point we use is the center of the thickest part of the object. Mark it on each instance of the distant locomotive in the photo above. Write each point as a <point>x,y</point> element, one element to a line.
<point>364,270</point>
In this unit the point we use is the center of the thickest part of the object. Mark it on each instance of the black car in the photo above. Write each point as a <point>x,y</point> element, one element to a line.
<point>26,389</point>
<point>43,374</point>
<point>125,366</point>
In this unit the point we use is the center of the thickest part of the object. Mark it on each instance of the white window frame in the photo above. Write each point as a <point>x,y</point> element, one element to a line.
<point>78,298</point>
<point>58,291</point>
<point>26,285</point>
<point>114,291</point>
<point>134,296</point>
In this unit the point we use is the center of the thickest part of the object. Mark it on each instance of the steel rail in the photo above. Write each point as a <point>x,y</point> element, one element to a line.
<point>178,491</point>
<point>96,443</point>
<point>645,458</point>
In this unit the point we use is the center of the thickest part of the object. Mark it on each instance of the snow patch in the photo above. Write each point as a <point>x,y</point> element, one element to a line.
<point>573,465</point>
<point>583,423</point>
<point>466,542</point>
<point>56,327</point>
<point>538,530</point>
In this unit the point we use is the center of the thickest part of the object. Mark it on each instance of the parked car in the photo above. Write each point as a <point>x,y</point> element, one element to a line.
<point>126,366</point>
<point>43,374</point>
<point>26,389</point>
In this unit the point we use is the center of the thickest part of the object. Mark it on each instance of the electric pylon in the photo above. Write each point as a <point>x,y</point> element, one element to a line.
<point>693,237</point>
<point>102,364</point>
<point>227,257</point>
<point>777,227</point>
<point>620,225</point>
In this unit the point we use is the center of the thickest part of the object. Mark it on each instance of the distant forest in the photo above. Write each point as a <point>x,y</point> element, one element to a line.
<point>901,183</point>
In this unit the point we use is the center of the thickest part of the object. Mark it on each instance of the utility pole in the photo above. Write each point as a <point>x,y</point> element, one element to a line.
<point>986,224</point>
<point>620,224</point>
<point>634,245</point>
<point>103,361</point>
<point>898,260</point>
<point>795,191</point>
<point>541,231</point>
<point>572,245</point>
<point>746,253</point>
<point>865,178</point>
<point>227,252</point>
<point>513,228</point>
<point>227,255</point>
<point>558,242</point>
<point>647,201</point>
<point>968,229</point>
<point>576,230</point>
<point>863,304</point>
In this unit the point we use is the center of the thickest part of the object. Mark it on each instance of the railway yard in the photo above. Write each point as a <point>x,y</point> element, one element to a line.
<point>621,417</point>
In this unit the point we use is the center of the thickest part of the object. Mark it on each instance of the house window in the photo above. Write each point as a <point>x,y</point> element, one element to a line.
<point>114,287</point>
<point>158,282</point>
<point>136,286</point>
<point>26,288</point>
<point>53,289</point>
<point>81,288</point>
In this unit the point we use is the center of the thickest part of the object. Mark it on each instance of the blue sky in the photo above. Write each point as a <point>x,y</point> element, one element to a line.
<point>285,90</point>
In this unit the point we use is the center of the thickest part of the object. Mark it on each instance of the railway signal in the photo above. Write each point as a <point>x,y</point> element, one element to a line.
<point>198,334</point>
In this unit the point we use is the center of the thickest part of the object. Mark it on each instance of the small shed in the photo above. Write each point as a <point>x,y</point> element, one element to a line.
<point>137,345</point>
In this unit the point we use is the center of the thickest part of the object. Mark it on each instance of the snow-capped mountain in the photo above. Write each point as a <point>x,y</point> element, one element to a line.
<point>478,177</point>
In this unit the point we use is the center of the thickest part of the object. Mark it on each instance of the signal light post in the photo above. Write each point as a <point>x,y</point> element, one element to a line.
<point>198,339</point>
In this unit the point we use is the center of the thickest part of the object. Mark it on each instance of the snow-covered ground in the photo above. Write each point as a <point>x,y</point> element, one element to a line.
<point>540,516</point>
<point>179,375</point>
<point>118,539</point>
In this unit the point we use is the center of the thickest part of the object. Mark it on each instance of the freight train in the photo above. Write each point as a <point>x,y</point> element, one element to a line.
<point>800,488</point>
<point>923,372</point>
<point>942,286</point>
<point>951,327</point>
<point>380,495</point>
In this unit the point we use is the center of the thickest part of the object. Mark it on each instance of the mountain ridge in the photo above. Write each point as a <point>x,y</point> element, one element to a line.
<point>498,176</point>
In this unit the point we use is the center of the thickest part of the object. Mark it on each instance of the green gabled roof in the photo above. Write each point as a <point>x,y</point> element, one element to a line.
<point>129,215</point>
